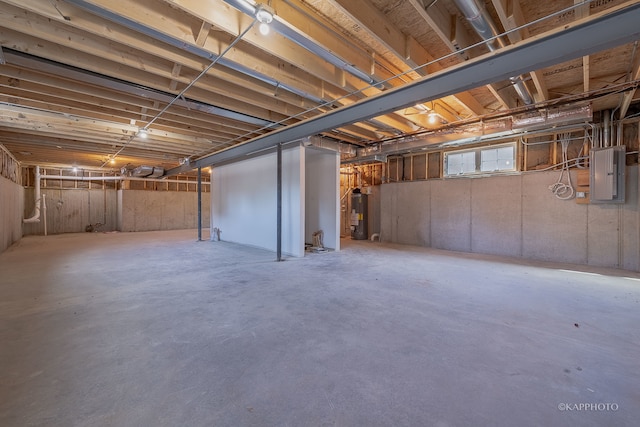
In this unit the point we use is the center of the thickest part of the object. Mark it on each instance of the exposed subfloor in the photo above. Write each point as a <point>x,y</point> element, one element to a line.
<point>156,329</point>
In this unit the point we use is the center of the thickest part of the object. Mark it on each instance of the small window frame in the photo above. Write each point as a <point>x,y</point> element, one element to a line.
<point>486,160</point>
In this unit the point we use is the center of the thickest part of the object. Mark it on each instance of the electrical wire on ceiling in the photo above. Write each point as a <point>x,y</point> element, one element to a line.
<point>142,133</point>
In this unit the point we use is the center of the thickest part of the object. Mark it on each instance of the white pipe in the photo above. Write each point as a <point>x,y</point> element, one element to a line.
<point>36,212</point>
<point>115,178</point>
<point>374,235</point>
<point>606,127</point>
<point>44,213</point>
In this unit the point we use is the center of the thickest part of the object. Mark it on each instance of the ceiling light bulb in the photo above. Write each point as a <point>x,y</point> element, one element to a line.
<point>263,15</point>
<point>113,161</point>
<point>433,117</point>
<point>142,133</point>
<point>264,28</point>
<point>75,169</point>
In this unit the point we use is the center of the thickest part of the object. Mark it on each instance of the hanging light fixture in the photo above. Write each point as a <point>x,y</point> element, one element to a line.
<point>142,133</point>
<point>432,116</point>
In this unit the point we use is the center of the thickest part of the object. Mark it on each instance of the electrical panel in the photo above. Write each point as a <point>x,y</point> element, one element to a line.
<point>607,167</point>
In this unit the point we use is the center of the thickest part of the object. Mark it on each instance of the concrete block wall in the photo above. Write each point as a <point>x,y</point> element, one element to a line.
<point>513,216</point>
<point>143,210</point>
<point>11,205</point>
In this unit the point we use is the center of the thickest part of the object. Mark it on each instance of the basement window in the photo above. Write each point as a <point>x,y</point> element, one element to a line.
<point>460,163</point>
<point>497,158</point>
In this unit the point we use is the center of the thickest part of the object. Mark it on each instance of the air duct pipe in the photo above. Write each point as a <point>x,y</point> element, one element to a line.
<point>36,211</point>
<point>482,23</point>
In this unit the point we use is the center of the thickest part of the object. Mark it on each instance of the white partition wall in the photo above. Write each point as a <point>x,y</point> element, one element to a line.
<point>322,170</point>
<point>244,206</point>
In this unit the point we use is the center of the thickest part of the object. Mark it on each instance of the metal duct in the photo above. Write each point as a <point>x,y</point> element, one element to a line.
<point>142,171</point>
<point>329,144</point>
<point>482,23</point>
<point>147,172</point>
<point>553,117</point>
<point>479,132</point>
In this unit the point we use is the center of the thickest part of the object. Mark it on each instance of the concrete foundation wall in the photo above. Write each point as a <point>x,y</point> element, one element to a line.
<point>11,203</point>
<point>72,210</point>
<point>243,201</point>
<point>513,216</point>
<point>143,210</point>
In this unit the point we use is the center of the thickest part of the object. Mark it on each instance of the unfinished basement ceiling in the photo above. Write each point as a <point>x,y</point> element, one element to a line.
<point>80,78</point>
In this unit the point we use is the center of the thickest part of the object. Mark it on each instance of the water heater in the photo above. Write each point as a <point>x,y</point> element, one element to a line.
<point>359,216</point>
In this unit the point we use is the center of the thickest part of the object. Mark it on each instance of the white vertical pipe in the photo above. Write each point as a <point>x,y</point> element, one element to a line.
<point>44,213</point>
<point>606,127</point>
<point>36,212</point>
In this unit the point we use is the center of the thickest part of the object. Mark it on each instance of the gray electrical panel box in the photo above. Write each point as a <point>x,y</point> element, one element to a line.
<point>607,174</point>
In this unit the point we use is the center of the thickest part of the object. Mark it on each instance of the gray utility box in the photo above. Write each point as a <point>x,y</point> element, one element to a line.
<point>607,167</point>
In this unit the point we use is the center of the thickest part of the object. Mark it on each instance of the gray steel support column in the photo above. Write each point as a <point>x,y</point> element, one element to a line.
<point>199,204</point>
<point>279,204</point>
<point>605,30</point>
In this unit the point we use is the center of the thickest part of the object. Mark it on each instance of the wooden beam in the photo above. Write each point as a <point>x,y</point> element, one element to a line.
<point>121,35</point>
<point>150,13</point>
<point>506,103</point>
<point>175,72</point>
<point>203,33</point>
<point>635,75</point>
<point>444,25</point>
<point>586,73</point>
<point>81,127</point>
<point>209,88</point>
<point>402,46</point>
<point>296,103</point>
<point>581,12</point>
<point>511,16</point>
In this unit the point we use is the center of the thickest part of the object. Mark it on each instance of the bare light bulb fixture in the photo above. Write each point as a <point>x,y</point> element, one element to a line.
<point>264,17</point>
<point>142,133</point>
<point>432,117</point>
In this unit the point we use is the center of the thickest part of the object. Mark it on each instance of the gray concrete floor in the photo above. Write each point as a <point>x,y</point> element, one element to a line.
<point>156,329</point>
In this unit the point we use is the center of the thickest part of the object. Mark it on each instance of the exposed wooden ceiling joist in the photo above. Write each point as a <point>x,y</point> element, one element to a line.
<point>121,62</point>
